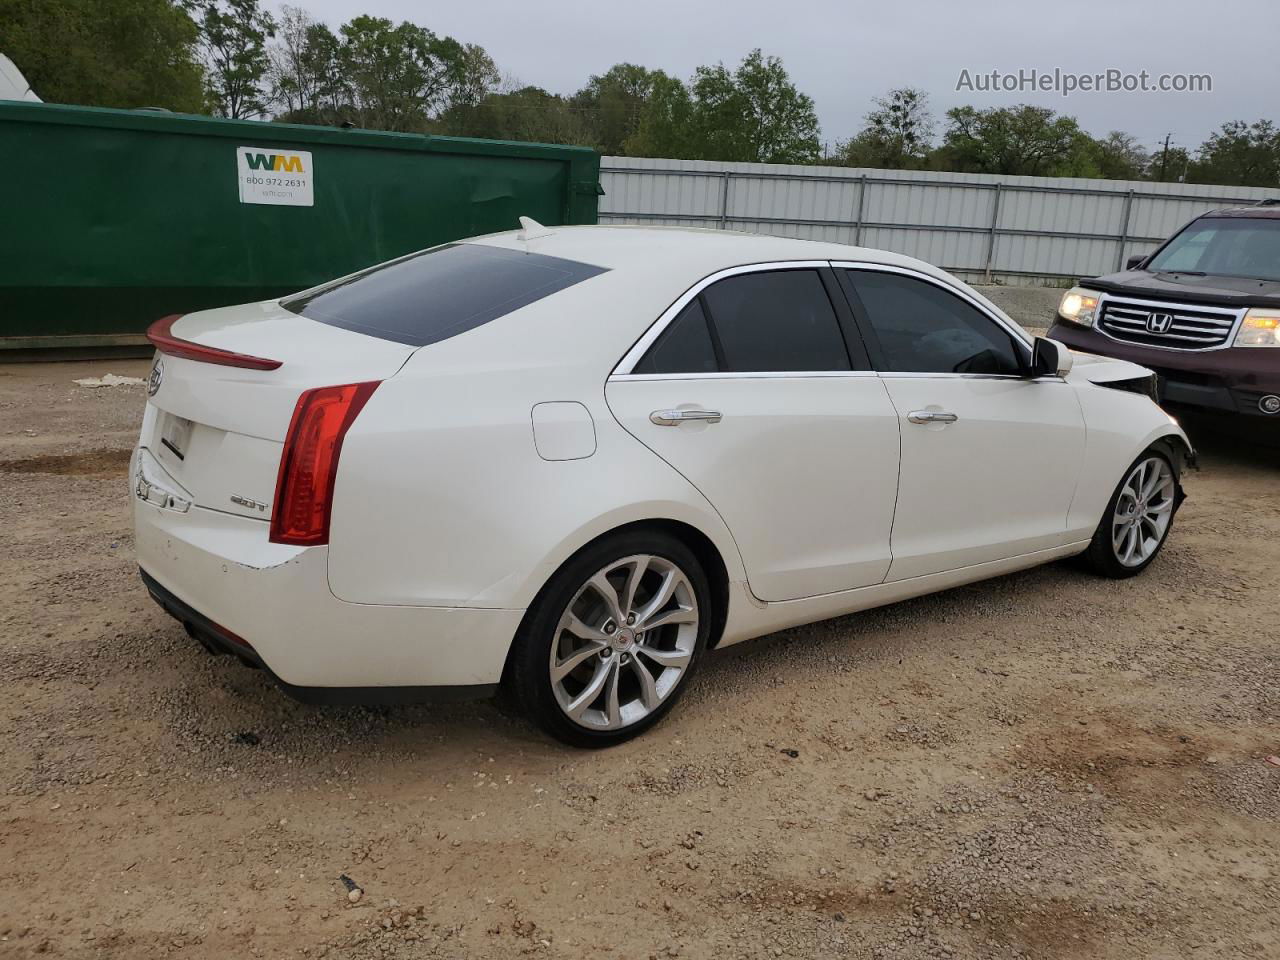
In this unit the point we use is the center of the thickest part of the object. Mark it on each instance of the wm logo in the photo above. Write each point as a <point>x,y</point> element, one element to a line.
<point>281,163</point>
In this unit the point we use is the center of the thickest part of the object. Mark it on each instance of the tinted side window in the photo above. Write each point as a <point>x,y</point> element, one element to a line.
<point>684,347</point>
<point>439,293</point>
<point>776,321</point>
<point>924,329</point>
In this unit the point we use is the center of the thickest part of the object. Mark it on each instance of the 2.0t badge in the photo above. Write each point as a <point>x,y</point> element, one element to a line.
<point>157,375</point>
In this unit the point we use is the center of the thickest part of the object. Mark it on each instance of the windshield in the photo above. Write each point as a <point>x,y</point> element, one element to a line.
<point>1224,247</point>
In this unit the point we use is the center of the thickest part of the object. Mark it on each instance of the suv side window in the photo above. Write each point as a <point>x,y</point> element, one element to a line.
<point>776,321</point>
<point>922,328</point>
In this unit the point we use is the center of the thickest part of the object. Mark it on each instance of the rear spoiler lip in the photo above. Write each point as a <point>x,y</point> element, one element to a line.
<point>161,336</point>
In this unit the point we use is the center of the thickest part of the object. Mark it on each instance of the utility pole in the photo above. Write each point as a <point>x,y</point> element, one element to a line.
<point>1164,157</point>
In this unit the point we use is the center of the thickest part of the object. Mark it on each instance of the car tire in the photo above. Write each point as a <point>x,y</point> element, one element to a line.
<point>1134,529</point>
<point>583,665</point>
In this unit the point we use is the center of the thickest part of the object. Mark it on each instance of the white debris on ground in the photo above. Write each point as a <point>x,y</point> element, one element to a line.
<point>108,380</point>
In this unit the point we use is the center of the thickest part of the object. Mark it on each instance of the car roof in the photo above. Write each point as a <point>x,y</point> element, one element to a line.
<point>686,250</point>
<point>649,267</point>
<point>1259,211</point>
<point>646,270</point>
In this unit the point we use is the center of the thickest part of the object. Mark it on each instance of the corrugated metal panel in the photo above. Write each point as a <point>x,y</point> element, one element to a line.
<point>1042,227</point>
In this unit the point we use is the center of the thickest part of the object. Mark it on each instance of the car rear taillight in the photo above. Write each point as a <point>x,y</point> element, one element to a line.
<point>309,464</point>
<point>161,336</point>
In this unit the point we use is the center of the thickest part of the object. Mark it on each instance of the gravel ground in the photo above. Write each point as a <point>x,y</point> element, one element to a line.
<point>1041,766</point>
<point>1033,307</point>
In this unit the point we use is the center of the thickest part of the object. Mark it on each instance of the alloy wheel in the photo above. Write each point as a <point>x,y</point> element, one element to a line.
<point>1143,512</point>
<point>624,642</point>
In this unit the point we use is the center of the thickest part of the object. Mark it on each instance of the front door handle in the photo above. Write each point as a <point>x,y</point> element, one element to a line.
<point>931,416</point>
<point>673,418</point>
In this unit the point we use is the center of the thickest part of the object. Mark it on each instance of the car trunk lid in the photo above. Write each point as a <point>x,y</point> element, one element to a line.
<point>216,426</point>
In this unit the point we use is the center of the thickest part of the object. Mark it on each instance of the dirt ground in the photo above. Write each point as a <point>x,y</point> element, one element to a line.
<point>1033,307</point>
<point>1046,765</point>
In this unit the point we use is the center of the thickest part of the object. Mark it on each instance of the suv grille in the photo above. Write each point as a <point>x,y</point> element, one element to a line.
<point>1176,326</point>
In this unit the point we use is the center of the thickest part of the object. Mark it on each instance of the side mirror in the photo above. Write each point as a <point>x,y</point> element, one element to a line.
<point>1134,262</point>
<point>1050,358</point>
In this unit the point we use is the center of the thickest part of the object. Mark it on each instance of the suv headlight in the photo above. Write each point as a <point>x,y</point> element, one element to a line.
<point>1078,306</point>
<point>1261,328</point>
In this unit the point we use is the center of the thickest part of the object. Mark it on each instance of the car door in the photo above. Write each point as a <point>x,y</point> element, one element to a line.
<point>756,387</point>
<point>990,457</point>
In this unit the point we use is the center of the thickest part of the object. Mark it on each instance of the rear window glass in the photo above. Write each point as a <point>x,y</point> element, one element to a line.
<point>439,293</point>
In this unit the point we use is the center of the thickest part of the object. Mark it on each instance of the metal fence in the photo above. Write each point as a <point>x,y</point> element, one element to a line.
<point>1017,230</point>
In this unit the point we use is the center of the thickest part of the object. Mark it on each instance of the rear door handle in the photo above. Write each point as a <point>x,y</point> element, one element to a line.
<point>931,416</point>
<point>673,418</point>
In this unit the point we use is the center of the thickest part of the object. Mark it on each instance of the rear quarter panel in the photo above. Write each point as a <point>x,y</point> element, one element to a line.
<point>442,498</point>
<point>464,512</point>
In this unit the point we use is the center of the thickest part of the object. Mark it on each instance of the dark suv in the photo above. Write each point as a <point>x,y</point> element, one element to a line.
<point>1203,312</point>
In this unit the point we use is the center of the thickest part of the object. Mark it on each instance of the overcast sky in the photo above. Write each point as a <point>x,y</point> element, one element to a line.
<point>845,52</point>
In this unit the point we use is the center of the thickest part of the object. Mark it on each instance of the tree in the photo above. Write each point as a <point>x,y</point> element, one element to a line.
<point>404,77</point>
<point>105,53</point>
<point>233,34</point>
<point>897,136</point>
<point>754,113</point>
<point>1116,156</point>
<point>721,124</point>
<point>524,113</point>
<point>1240,154</point>
<point>376,74</point>
<point>614,102</point>
<point>666,124</point>
<point>1011,140</point>
<point>1168,164</point>
<point>305,72</point>
<point>474,76</point>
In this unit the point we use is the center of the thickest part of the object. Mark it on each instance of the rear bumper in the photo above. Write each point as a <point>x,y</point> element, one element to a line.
<point>218,640</point>
<point>1234,380</point>
<point>272,607</point>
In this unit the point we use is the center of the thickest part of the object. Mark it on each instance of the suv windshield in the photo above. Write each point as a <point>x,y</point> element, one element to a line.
<point>439,293</point>
<point>1224,247</point>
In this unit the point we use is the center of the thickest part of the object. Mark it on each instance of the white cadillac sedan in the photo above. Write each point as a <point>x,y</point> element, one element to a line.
<point>570,461</point>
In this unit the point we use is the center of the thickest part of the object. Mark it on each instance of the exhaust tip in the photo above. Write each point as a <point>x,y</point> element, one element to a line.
<point>209,647</point>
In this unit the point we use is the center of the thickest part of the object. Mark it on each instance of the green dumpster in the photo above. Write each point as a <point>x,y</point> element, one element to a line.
<point>113,218</point>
